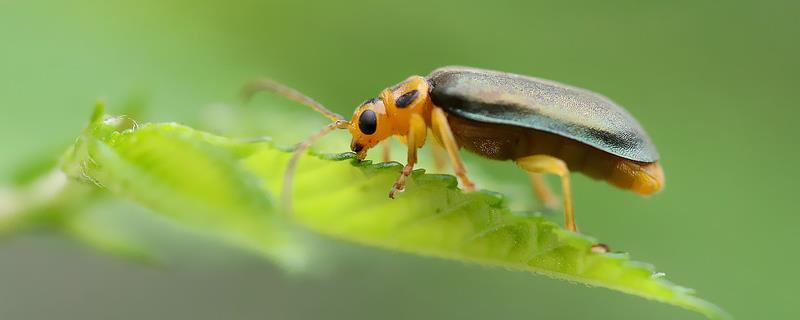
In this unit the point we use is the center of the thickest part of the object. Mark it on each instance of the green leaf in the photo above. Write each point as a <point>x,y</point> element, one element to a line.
<point>190,177</point>
<point>231,188</point>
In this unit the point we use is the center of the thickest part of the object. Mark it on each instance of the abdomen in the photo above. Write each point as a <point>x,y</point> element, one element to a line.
<point>505,142</point>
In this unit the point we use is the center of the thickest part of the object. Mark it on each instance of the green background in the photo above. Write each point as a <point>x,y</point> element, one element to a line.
<point>713,83</point>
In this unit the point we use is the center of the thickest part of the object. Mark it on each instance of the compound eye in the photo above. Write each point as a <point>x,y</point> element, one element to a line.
<point>368,122</point>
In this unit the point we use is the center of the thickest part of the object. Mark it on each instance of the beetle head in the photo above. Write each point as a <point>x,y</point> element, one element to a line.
<point>370,125</point>
<point>388,114</point>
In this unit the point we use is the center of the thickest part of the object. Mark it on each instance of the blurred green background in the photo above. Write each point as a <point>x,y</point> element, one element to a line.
<point>713,83</point>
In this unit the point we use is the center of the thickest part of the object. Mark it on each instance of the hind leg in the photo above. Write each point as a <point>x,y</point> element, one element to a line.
<point>542,191</point>
<point>538,164</point>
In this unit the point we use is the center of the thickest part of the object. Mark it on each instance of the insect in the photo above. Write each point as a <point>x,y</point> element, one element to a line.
<point>543,126</point>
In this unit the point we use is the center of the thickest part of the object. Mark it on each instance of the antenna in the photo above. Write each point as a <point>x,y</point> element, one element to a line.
<point>272,86</point>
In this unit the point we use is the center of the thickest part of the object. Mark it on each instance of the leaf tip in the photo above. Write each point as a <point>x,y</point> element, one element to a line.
<point>99,111</point>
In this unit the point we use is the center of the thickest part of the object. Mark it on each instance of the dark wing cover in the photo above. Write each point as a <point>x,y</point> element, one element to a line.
<point>578,114</point>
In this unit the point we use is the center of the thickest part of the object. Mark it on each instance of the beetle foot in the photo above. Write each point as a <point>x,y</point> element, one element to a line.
<point>396,188</point>
<point>468,186</point>
<point>551,203</point>
<point>400,184</point>
<point>600,248</point>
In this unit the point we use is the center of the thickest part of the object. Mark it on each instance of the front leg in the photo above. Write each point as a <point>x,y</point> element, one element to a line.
<point>416,138</point>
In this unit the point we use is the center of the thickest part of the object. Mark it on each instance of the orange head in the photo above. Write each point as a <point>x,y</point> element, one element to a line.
<point>389,114</point>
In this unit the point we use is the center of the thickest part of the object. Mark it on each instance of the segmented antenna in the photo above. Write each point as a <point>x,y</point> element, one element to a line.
<point>277,88</point>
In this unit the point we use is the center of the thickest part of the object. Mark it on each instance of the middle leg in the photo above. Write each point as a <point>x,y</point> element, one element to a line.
<point>442,127</point>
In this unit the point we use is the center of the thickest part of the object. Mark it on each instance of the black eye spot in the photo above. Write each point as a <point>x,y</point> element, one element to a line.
<point>368,122</point>
<point>406,99</point>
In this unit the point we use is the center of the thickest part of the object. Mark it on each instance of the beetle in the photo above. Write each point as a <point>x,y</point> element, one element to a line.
<point>542,125</point>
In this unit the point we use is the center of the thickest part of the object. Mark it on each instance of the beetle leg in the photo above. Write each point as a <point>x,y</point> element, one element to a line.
<point>386,151</point>
<point>438,156</point>
<point>440,126</point>
<point>543,191</point>
<point>416,138</point>
<point>548,164</point>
